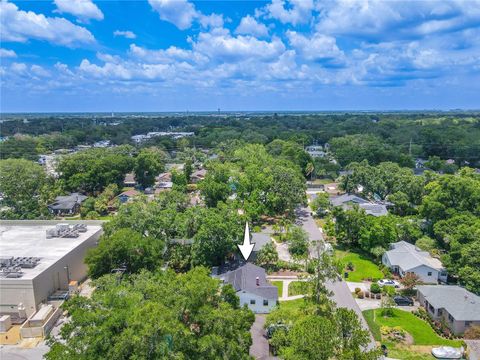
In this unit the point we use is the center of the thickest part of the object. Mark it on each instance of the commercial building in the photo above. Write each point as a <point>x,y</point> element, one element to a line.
<point>40,258</point>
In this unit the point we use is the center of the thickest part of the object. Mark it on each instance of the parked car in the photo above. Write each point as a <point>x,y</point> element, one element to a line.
<point>403,300</point>
<point>387,282</point>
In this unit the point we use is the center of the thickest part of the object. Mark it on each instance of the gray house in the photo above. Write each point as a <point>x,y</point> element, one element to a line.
<point>404,257</point>
<point>250,283</point>
<point>347,201</point>
<point>454,305</point>
<point>67,205</point>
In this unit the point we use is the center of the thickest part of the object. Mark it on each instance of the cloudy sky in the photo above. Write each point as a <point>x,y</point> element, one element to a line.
<point>177,55</point>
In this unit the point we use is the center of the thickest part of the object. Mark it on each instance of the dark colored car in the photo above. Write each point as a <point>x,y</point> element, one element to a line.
<point>403,301</point>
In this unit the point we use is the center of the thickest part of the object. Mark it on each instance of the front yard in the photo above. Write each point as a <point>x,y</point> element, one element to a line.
<point>279,285</point>
<point>363,268</point>
<point>420,330</point>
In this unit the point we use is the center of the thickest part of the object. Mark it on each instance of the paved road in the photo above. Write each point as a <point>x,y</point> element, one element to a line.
<point>305,220</point>
<point>259,349</point>
<point>341,293</point>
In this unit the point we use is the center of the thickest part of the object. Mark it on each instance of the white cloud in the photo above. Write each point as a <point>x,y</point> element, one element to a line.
<point>19,68</point>
<point>82,9</point>
<point>250,26</point>
<point>317,47</point>
<point>125,33</point>
<point>20,26</point>
<point>5,53</point>
<point>39,71</point>
<point>219,45</point>
<point>181,13</point>
<point>212,20</point>
<point>290,12</point>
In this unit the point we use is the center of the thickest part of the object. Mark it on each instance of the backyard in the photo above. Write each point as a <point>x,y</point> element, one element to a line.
<point>363,267</point>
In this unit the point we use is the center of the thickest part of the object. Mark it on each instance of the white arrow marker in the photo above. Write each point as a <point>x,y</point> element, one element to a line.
<point>246,248</point>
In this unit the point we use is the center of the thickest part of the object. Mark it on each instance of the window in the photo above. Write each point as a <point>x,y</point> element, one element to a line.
<point>265,302</point>
<point>429,273</point>
<point>252,302</point>
<point>450,317</point>
<point>468,323</point>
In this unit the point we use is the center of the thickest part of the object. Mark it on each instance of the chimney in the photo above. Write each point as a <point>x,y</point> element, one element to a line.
<point>257,281</point>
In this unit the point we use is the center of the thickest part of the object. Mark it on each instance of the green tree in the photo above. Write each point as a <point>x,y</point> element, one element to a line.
<point>215,188</point>
<point>154,316</point>
<point>297,240</point>
<point>267,256</point>
<point>25,188</point>
<point>125,248</point>
<point>320,204</point>
<point>148,164</point>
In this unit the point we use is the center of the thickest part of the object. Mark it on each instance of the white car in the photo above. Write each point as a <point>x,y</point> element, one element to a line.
<point>387,282</point>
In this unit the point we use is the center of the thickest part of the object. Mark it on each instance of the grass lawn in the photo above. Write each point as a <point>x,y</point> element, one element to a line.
<point>364,268</point>
<point>421,332</point>
<point>297,288</point>
<point>323,181</point>
<point>292,304</point>
<point>279,285</point>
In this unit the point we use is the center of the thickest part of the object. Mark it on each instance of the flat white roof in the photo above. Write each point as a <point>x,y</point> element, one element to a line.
<point>31,240</point>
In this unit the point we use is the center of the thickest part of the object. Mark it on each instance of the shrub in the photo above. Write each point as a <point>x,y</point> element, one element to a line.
<point>375,288</point>
<point>360,295</point>
<point>389,290</point>
<point>350,266</point>
<point>357,290</point>
<point>473,332</point>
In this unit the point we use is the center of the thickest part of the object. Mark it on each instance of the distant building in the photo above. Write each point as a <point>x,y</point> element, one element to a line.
<point>67,205</point>
<point>315,151</point>
<point>347,201</point>
<point>127,195</point>
<point>198,176</point>
<point>129,180</point>
<point>457,307</point>
<point>253,289</point>
<point>403,258</point>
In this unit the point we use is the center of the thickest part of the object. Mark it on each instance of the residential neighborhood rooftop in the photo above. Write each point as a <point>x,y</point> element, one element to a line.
<point>245,278</point>
<point>67,201</point>
<point>408,257</point>
<point>459,302</point>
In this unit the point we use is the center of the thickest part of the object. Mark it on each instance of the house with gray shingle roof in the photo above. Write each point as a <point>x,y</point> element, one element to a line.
<point>252,287</point>
<point>454,305</point>
<point>67,205</point>
<point>404,257</point>
<point>347,201</point>
<point>259,240</point>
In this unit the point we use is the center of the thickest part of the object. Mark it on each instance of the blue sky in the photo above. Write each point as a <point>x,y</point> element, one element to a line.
<point>177,55</point>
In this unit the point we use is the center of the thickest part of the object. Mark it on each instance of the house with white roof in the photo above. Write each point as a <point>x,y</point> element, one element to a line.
<point>457,307</point>
<point>403,258</point>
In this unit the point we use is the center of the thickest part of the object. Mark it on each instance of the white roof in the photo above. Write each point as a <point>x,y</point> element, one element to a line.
<point>407,256</point>
<point>31,240</point>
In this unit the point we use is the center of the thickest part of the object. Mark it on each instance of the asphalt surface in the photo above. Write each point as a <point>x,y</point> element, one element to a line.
<point>341,294</point>
<point>259,349</point>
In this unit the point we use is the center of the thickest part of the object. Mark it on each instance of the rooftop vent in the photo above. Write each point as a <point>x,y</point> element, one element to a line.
<point>66,231</point>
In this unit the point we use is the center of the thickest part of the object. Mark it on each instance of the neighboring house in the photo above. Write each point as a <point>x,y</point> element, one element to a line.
<point>129,180</point>
<point>198,176</point>
<point>404,257</point>
<point>250,283</point>
<point>315,151</point>
<point>166,176</point>
<point>67,205</point>
<point>164,185</point>
<point>127,195</point>
<point>455,306</point>
<point>260,240</point>
<point>346,201</point>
